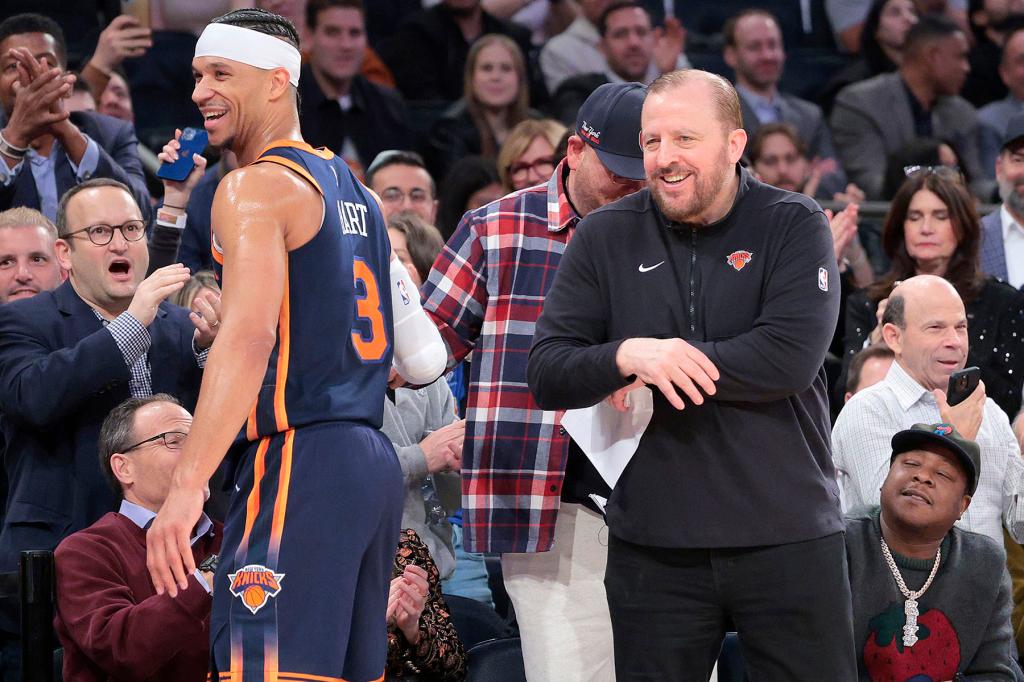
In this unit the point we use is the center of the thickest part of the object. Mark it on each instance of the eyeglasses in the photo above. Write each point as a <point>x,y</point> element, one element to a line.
<point>101,235</point>
<point>173,440</point>
<point>543,166</point>
<point>945,172</point>
<point>393,195</point>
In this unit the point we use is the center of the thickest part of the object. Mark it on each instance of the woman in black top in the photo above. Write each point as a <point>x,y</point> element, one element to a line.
<point>496,99</point>
<point>933,229</point>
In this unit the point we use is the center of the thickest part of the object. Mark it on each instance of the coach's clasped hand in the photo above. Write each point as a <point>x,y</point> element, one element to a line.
<point>669,364</point>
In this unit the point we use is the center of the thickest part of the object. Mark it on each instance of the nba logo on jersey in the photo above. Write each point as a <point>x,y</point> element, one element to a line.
<point>254,585</point>
<point>404,294</point>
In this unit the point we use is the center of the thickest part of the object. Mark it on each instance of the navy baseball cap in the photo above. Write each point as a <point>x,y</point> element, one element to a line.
<point>1014,131</point>
<point>609,121</point>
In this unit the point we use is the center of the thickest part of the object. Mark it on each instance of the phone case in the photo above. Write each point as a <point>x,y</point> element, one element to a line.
<point>193,141</point>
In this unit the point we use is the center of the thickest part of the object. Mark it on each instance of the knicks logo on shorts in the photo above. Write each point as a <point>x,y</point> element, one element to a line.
<point>254,585</point>
<point>739,259</point>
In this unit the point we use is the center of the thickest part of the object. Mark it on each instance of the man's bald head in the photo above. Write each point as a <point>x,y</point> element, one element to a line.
<point>926,327</point>
<point>915,294</point>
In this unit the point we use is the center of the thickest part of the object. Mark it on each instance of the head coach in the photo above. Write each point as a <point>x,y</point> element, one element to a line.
<point>721,293</point>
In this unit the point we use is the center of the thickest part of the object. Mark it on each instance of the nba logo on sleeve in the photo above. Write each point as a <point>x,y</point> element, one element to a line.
<point>823,279</point>
<point>255,585</point>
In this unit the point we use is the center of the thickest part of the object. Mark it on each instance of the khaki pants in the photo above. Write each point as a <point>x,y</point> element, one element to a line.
<point>560,602</point>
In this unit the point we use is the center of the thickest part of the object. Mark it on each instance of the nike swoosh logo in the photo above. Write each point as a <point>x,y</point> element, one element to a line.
<point>643,269</point>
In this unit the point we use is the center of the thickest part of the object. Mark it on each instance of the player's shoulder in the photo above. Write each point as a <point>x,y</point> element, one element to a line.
<point>264,183</point>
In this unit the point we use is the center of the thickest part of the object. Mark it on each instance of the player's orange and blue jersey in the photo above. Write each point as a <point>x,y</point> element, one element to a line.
<point>309,538</point>
<point>333,350</point>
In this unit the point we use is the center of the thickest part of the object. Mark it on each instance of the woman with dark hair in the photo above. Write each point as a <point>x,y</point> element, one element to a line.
<point>472,182</point>
<point>881,46</point>
<point>495,99</point>
<point>932,228</point>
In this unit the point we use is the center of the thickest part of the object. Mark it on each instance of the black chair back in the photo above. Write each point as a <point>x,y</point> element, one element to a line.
<point>497,660</point>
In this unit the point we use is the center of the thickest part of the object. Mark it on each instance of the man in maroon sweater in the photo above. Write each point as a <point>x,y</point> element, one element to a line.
<point>111,622</point>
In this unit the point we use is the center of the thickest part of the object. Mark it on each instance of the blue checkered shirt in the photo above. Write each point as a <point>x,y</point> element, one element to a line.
<point>133,340</point>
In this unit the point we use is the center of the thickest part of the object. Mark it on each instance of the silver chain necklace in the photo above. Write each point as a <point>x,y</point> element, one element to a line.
<point>910,606</point>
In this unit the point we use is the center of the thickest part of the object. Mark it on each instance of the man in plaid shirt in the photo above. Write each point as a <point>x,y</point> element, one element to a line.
<point>485,293</point>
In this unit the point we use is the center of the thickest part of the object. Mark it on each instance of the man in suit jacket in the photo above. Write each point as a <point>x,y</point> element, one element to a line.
<point>874,118</point>
<point>1002,234</point>
<point>755,52</point>
<point>68,356</point>
<point>44,150</point>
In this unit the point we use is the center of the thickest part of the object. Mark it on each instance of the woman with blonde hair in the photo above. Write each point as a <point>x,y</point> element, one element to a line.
<point>528,156</point>
<point>495,98</point>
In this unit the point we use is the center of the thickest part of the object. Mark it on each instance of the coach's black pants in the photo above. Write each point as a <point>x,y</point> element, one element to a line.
<point>789,603</point>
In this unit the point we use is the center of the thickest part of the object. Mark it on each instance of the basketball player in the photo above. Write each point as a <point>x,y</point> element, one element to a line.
<point>305,345</point>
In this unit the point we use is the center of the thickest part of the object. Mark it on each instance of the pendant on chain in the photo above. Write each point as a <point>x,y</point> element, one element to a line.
<point>910,627</point>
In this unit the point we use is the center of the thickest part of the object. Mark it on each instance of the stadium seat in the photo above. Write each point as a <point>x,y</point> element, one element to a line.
<point>474,621</point>
<point>497,660</point>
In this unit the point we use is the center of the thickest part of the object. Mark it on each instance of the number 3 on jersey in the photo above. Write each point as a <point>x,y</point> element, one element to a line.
<point>370,348</point>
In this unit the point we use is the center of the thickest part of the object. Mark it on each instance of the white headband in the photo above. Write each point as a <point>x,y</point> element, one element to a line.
<point>249,47</point>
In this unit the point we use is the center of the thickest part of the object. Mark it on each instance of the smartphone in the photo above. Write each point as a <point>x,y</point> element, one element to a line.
<point>138,9</point>
<point>193,141</point>
<point>962,384</point>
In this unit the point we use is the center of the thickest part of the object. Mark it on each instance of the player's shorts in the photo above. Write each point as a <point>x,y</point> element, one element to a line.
<point>301,591</point>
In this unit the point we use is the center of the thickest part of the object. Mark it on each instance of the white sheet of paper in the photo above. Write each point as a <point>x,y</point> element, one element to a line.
<point>607,437</point>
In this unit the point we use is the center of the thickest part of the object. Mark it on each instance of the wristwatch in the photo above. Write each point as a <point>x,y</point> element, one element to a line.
<point>209,564</point>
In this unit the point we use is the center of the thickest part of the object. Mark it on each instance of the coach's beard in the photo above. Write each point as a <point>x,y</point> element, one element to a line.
<point>705,190</point>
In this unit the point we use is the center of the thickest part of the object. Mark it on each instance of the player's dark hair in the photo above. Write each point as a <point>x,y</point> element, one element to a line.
<point>877,351</point>
<point>118,432</point>
<point>602,23</point>
<point>262,21</point>
<point>35,23</point>
<point>315,7</point>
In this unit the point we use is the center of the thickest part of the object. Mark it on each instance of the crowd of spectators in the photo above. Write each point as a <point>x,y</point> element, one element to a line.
<point>441,107</point>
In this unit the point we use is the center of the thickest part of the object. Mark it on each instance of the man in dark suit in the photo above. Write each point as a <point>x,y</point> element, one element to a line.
<point>1002,231</point>
<point>755,52</point>
<point>68,356</point>
<point>341,109</point>
<point>44,150</point>
<point>874,118</point>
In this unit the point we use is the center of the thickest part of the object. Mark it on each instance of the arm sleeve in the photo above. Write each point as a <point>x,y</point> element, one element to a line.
<point>860,449</point>
<point>439,653</point>
<point>420,355</point>
<point>163,247</point>
<point>572,362</point>
<point>87,167</point>
<point>74,373</point>
<point>992,661</point>
<point>783,352</point>
<point>455,293</point>
<point>126,638</point>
